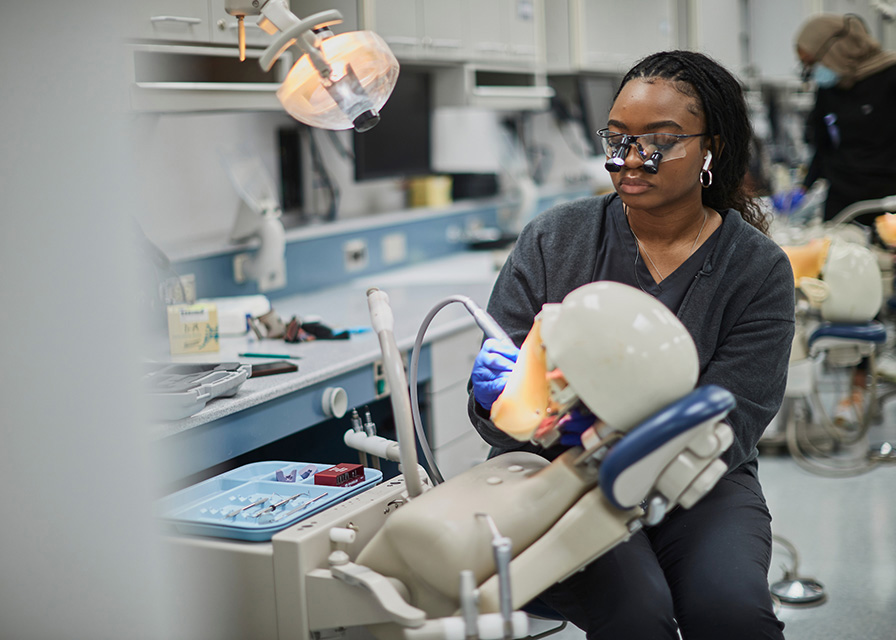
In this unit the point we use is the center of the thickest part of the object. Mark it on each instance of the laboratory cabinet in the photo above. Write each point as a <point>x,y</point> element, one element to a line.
<point>502,32</point>
<point>607,36</point>
<point>183,56</point>
<point>177,20</point>
<point>717,28</point>
<point>456,445</point>
<point>194,21</point>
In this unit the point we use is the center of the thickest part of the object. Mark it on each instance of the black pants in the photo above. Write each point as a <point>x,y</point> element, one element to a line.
<point>703,570</point>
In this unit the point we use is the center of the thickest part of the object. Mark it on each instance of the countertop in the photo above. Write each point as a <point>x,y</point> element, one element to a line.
<point>413,291</point>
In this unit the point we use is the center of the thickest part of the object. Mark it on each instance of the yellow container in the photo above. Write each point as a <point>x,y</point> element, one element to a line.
<point>429,191</point>
<point>193,328</point>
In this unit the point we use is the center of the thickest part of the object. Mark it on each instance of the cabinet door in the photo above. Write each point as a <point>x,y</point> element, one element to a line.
<point>505,31</point>
<point>396,21</point>
<point>773,27</point>
<point>523,24</point>
<point>727,45</point>
<point>485,21</point>
<point>452,363</point>
<point>443,26</point>
<point>179,20</point>
<point>618,34</point>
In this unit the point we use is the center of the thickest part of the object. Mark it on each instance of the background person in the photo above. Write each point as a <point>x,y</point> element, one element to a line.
<point>852,125</point>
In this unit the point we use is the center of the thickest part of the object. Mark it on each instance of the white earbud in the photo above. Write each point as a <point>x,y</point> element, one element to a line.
<point>707,159</point>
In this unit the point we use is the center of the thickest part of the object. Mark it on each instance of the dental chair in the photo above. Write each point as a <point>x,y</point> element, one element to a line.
<point>839,283</point>
<point>462,560</point>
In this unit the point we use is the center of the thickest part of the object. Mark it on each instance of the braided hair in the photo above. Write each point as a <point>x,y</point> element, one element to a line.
<point>728,125</point>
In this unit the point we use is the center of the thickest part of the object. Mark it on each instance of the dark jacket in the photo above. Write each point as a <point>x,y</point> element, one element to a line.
<point>854,135</point>
<point>739,310</point>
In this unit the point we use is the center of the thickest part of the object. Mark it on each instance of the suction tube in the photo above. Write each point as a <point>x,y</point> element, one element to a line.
<point>489,327</point>
<point>383,324</point>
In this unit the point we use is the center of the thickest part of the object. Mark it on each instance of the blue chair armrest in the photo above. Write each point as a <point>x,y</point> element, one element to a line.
<point>701,405</point>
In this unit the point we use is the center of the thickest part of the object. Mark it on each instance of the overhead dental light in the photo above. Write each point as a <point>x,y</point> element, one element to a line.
<point>339,82</point>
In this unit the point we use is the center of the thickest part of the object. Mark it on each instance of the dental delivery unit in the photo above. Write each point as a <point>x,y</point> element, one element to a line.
<point>458,560</point>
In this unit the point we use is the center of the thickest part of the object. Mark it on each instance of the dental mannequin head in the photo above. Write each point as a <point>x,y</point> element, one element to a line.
<point>621,352</point>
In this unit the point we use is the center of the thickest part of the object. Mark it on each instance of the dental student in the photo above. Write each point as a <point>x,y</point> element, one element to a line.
<point>682,227</point>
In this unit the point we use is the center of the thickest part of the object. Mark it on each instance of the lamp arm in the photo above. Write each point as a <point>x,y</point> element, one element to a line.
<point>301,33</point>
<point>292,29</point>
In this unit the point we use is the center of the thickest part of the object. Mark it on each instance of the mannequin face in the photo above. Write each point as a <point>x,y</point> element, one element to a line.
<point>657,106</point>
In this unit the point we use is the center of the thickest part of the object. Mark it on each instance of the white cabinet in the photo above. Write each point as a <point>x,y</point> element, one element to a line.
<point>508,32</point>
<point>397,23</point>
<point>716,28</point>
<point>455,443</point>
<point>605,35</point>
<point>178,20</point>
<point>195,21</point>
<point>773,27</point>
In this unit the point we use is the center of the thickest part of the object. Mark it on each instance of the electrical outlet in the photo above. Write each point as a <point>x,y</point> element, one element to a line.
<point>394,248</point>
<point>239,262</point>
<point>355,254</point>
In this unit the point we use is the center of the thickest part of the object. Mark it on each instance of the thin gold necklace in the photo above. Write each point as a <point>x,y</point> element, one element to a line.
<point>647,255</point>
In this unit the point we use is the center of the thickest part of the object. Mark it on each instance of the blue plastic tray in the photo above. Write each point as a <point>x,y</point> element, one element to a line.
<point>205,508</point>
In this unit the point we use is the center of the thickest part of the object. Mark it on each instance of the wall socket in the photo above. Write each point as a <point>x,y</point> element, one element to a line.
<point>394,248</point>
<point>355,254</point>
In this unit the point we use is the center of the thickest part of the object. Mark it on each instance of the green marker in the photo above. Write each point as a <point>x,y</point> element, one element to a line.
<point>269,355</point>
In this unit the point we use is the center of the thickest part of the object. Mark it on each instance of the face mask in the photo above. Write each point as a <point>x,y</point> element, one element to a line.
<point>824,77</point>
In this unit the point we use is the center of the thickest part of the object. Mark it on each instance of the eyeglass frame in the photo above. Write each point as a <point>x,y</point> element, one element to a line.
<point>651,162</point>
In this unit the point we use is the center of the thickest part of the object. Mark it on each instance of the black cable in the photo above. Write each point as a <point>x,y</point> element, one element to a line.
<point>320,169</point>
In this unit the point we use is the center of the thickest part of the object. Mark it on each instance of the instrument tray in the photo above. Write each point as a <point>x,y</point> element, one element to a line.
<point>215,507</point>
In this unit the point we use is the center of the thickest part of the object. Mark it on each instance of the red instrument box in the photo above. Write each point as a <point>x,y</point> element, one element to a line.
<point>343,474</point>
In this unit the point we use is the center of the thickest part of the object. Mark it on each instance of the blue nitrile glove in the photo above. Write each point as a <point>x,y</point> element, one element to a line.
<point>788,201</point>
<point>490,370</point>
<point>572,426</point>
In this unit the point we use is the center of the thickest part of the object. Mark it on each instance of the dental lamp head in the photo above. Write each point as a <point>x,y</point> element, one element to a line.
<point>339,81</point>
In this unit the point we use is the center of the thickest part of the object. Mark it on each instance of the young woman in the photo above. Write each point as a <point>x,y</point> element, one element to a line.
<point>681,227</point>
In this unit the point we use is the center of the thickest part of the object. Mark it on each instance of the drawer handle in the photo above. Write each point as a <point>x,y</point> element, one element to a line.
<point>181,19</point>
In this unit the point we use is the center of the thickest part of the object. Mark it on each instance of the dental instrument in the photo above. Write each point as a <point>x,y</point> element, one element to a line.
<point>286,514</point>
<point>256,503</point>
<point>274,506</point>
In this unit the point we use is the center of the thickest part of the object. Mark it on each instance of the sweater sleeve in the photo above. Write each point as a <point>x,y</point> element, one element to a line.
<point>752,360</point>
<point>516,298</point>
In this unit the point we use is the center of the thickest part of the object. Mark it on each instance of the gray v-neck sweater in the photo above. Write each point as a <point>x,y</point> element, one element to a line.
<point>739,310</point>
